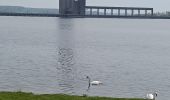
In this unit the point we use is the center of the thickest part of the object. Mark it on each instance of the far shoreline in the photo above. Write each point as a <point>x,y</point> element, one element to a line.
<point>83,16</point>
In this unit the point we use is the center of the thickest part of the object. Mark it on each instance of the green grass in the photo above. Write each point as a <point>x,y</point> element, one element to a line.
<point>30,96</point>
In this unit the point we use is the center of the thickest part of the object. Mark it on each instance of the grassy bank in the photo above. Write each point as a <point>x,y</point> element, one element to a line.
<point>30,96</point>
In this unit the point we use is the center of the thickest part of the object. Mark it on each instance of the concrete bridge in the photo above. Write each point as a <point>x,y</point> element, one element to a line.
<point>118,11</point>
<point>79,8</point>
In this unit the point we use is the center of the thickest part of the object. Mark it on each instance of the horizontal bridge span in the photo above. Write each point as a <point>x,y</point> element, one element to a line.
<point>118,11</point>
<point>102,7</point>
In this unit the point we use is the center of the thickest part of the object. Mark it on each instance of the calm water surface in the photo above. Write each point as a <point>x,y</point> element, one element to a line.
<point>54,55</point>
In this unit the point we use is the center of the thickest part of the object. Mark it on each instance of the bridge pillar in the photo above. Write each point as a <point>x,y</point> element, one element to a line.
<point>138,12</point>
<point>118,12</point>
<point>112,12</point>
<point>146,13</point>
<point>91,12</point>
<point>72,7</point>
<point>104,11</point>
<point>98,11</point>
<point>132,12</point>
<point>125,12</point>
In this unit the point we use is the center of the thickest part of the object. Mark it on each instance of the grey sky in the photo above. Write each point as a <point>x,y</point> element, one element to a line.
<point>158,5</point>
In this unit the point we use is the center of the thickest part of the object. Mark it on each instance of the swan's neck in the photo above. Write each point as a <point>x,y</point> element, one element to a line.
<point>89,82</point>
<point>154,96</point>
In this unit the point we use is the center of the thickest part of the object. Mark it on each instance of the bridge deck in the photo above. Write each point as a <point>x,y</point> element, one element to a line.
<point>130,8</point>
<point>105,11</point>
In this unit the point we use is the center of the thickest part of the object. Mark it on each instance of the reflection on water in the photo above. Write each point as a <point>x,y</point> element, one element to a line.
<point>66,68</point>
<point>66,57</point>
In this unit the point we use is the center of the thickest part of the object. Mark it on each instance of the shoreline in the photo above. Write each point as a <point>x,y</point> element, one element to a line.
<point>31,96</point>
<point>83,16</point>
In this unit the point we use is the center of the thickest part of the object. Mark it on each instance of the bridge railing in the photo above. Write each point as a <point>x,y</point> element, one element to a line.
<point>118,11</point>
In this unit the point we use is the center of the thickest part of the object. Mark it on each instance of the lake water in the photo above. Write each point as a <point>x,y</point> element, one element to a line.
<point>54,55</point>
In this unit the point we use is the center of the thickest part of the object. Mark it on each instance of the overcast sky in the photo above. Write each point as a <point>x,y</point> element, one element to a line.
<point>158,5</point>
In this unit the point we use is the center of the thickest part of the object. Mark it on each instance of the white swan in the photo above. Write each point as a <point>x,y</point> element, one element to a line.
<point>96,83</point>
<point>151,96</point>
<point>93,82</point>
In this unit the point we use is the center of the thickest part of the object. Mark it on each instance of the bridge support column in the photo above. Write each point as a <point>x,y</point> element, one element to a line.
<point>112,12</point>
<point>91,11</point>
<point>146,13</point>
<point>125,12</point>
<point>105,11</point>
<point>118,12</point>
<point>132,12</point>
<point>138,12</point>
<point>98,11</point>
